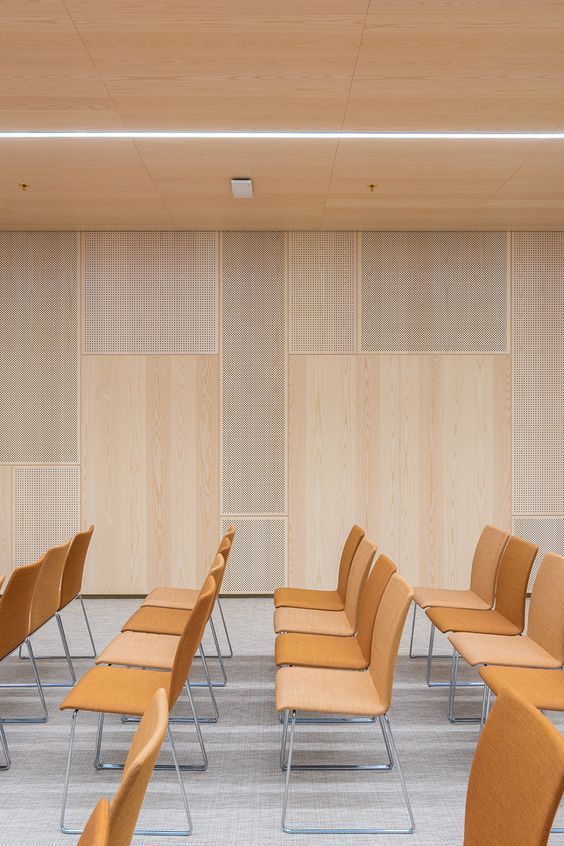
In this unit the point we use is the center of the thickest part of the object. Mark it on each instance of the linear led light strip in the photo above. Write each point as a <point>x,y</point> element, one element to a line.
<point>303,136</point>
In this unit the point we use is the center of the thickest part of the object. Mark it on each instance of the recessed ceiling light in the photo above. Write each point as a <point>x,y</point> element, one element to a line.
<point>242,188</point>
<point>157,135</point>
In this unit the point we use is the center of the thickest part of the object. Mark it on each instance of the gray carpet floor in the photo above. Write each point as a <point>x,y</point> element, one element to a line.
<point>238,799</point>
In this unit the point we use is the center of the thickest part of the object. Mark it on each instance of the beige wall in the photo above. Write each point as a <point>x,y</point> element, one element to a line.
<point>414,441</point>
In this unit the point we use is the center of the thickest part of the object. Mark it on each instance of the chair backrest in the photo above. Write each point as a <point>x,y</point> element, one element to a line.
<point>517,777</point>
<point>191,637</point>
<point>370,599</point>
<point>224,549</point>
<point>546,612</point>
<point>74,566</point>
<point>2,579</point>
<point>143,753</point>
<point>217,570</point>
<point>513,578</point>
<point>355,536</point>
<point>485,563</point>
<point>388,626</point>
<point>15,606</point>
<point>360,568</point>
<point>47,594</point>
<point>97,829</point>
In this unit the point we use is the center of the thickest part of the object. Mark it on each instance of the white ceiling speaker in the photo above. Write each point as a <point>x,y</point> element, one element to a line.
<point>242,189</point>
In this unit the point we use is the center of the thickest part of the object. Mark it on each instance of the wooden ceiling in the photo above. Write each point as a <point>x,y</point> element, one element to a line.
<point>282,64</point>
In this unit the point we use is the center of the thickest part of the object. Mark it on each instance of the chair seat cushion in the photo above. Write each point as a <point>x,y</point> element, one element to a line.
<point>466,620</point>
<point>170,621</point>
<point>312,622</point>
<point>166,597</point>
<point>327,692</point>
<point>542,688</point>
<point>322,600</point>
<point>116,690</point>
<point>140,649</point>
<point>443,598</point>
<point>507,651</point>
<point>309,650</point>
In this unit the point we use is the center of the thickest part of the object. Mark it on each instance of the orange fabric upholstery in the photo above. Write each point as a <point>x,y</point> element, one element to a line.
<point>155,620</point>
<point>541,688</point>
<point>333,600</point>
<point>97,830</point>
<point>143,753</point>
<point>546,613</point>
<point>508,617</point>
<point>485,565</point>
<point>140,649</point>
<point>15,607</point>
<point>370,599</point>
<point>517,777</point>
<point>497,649</point>
<point>388,626</point>
<point>74,566</point>
<point>47,594</point>
<point>312,650</point>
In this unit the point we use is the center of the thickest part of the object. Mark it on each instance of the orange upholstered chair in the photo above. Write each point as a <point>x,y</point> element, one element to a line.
<point>341,653</point>
<point>324,600</point>
<point>121,690</point>
<point>480,595</point>
<point>184,598</point>
<point>339,623</point>
<point>543,645</point>
<point>97,829</point>
<point>73,575</point>
<point>508,616</point>
<point>367,694</point>
<point>15,612</point>
<point>517,777</point>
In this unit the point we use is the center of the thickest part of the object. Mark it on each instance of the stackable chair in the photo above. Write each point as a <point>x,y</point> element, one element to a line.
<point>544,689</point>
<point>184,598</point>
<point>324,600</point>
<point>359,694</point>
<point>97,829</point>
<point>480,595</point>
<point>508,616</point>
<point>157,651</point>
<point>339,623</point>
<point>543,645</point>
<point>126,805</point>
<point>15,610</point>
<point>517,777</point>
<point>122,690</point>
<point>152,619</point>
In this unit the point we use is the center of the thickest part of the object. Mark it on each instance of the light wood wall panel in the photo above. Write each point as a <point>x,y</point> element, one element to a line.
<point>415,448</point>
<point>150,480</point>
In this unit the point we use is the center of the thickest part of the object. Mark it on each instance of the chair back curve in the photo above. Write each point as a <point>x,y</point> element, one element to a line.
<point>350,547</point>
<point>383,570</point>
<point>388,626</point>
<point>47,594</point>
<point>485,564</point>
<point>546,613</point>
<point>15,606</point>
<point>517,777</point>
<point>143,753</point>
<point>73,573</point>
<point>513,578</point>
<point>191,637</point>
<point>97,829</point>
<point>360,568</point>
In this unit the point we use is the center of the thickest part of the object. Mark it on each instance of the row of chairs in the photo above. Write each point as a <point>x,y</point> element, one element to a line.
<point>336,652</point>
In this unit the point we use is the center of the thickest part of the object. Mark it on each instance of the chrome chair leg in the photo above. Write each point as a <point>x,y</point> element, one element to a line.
<point>66,656</point>
<point>454,683</point>
<point>5,749</point>
<point>336,767</point>
<point>37,684</point>
<point>149,832</point>
<point>53,657</point>
<point>87,621</point>
<point>217,655</point>
<point>411,655</point>
<point>429,664</point>
<point>390,745</point>
<point>225,630</point>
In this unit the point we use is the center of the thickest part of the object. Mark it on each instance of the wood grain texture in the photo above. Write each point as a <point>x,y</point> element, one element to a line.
<point>6,521</point>
<point>415,448</point>
<point>150,469</point>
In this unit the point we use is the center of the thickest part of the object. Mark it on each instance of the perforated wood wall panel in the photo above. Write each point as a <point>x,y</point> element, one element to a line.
<point>39,361</point>
<point>546,532</point>
<point>434,291</point>
<point>150,292</point>
<point>254,373</point>
<point>322,291</point>
<point>257,562</point>
<point>538,373</point>
<point>46,509</point>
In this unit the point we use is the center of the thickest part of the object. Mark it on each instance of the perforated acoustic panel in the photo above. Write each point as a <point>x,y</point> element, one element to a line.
<point>538,373</point>
<point>257,562</point>
<point>150,292</point>
<point>322,292</point>
<point>546,532</point>
<point>434,291</point>
<point>254,373</point>
<point>39,361</point>
<point>46,509</point>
